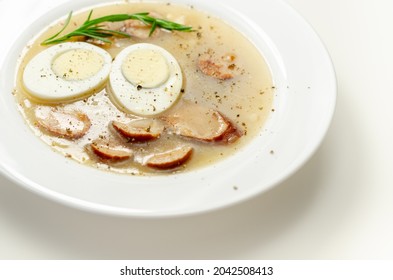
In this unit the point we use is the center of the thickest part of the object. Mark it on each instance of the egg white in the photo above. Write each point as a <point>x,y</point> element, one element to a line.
<point>145,101</point>
<point>41,81</point>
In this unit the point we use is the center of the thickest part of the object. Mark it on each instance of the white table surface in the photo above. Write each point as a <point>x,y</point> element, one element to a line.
<point>338,206</point>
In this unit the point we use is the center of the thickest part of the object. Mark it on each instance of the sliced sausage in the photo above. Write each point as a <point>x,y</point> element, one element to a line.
<point>201,123</point>
<point>71,125</point>
<point>170,159</point>
<point>139,130</point>
<point>213,69</point>
<point>219,68</point>
<point>106,151</point>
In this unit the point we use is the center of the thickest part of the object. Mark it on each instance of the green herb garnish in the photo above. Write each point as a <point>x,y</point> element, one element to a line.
<point>93,28</point>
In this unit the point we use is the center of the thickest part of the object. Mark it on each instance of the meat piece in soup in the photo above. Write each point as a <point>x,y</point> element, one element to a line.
<point>170,159</point>
<point>140,129</point>
<point>201,123</point>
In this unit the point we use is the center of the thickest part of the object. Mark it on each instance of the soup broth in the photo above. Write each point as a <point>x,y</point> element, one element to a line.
<point>243,94</point>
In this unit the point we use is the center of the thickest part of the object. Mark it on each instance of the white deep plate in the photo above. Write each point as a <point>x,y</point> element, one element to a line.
<point>304,105</point>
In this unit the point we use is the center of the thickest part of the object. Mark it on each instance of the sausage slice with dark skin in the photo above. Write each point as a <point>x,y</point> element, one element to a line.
<point>170,159</point>
<point>139,130</point>
<point>201,123</point>
<point>106,151</point>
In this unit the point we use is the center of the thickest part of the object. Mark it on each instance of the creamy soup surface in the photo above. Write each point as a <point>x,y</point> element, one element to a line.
<point>224,75</point>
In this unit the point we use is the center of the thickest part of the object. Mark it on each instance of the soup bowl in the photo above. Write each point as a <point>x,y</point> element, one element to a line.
<point>305,93</point>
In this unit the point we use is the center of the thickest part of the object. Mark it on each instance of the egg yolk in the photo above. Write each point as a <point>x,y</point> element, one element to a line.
<point>77,64</point>
<point>145,68</point>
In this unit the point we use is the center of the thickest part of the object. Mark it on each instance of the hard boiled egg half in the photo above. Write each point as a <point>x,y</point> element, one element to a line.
<point>67,72</point>
<point>145,79</point>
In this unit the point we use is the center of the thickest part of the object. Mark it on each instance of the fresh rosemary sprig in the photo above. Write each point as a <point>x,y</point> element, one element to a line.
<point>93,28</point>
